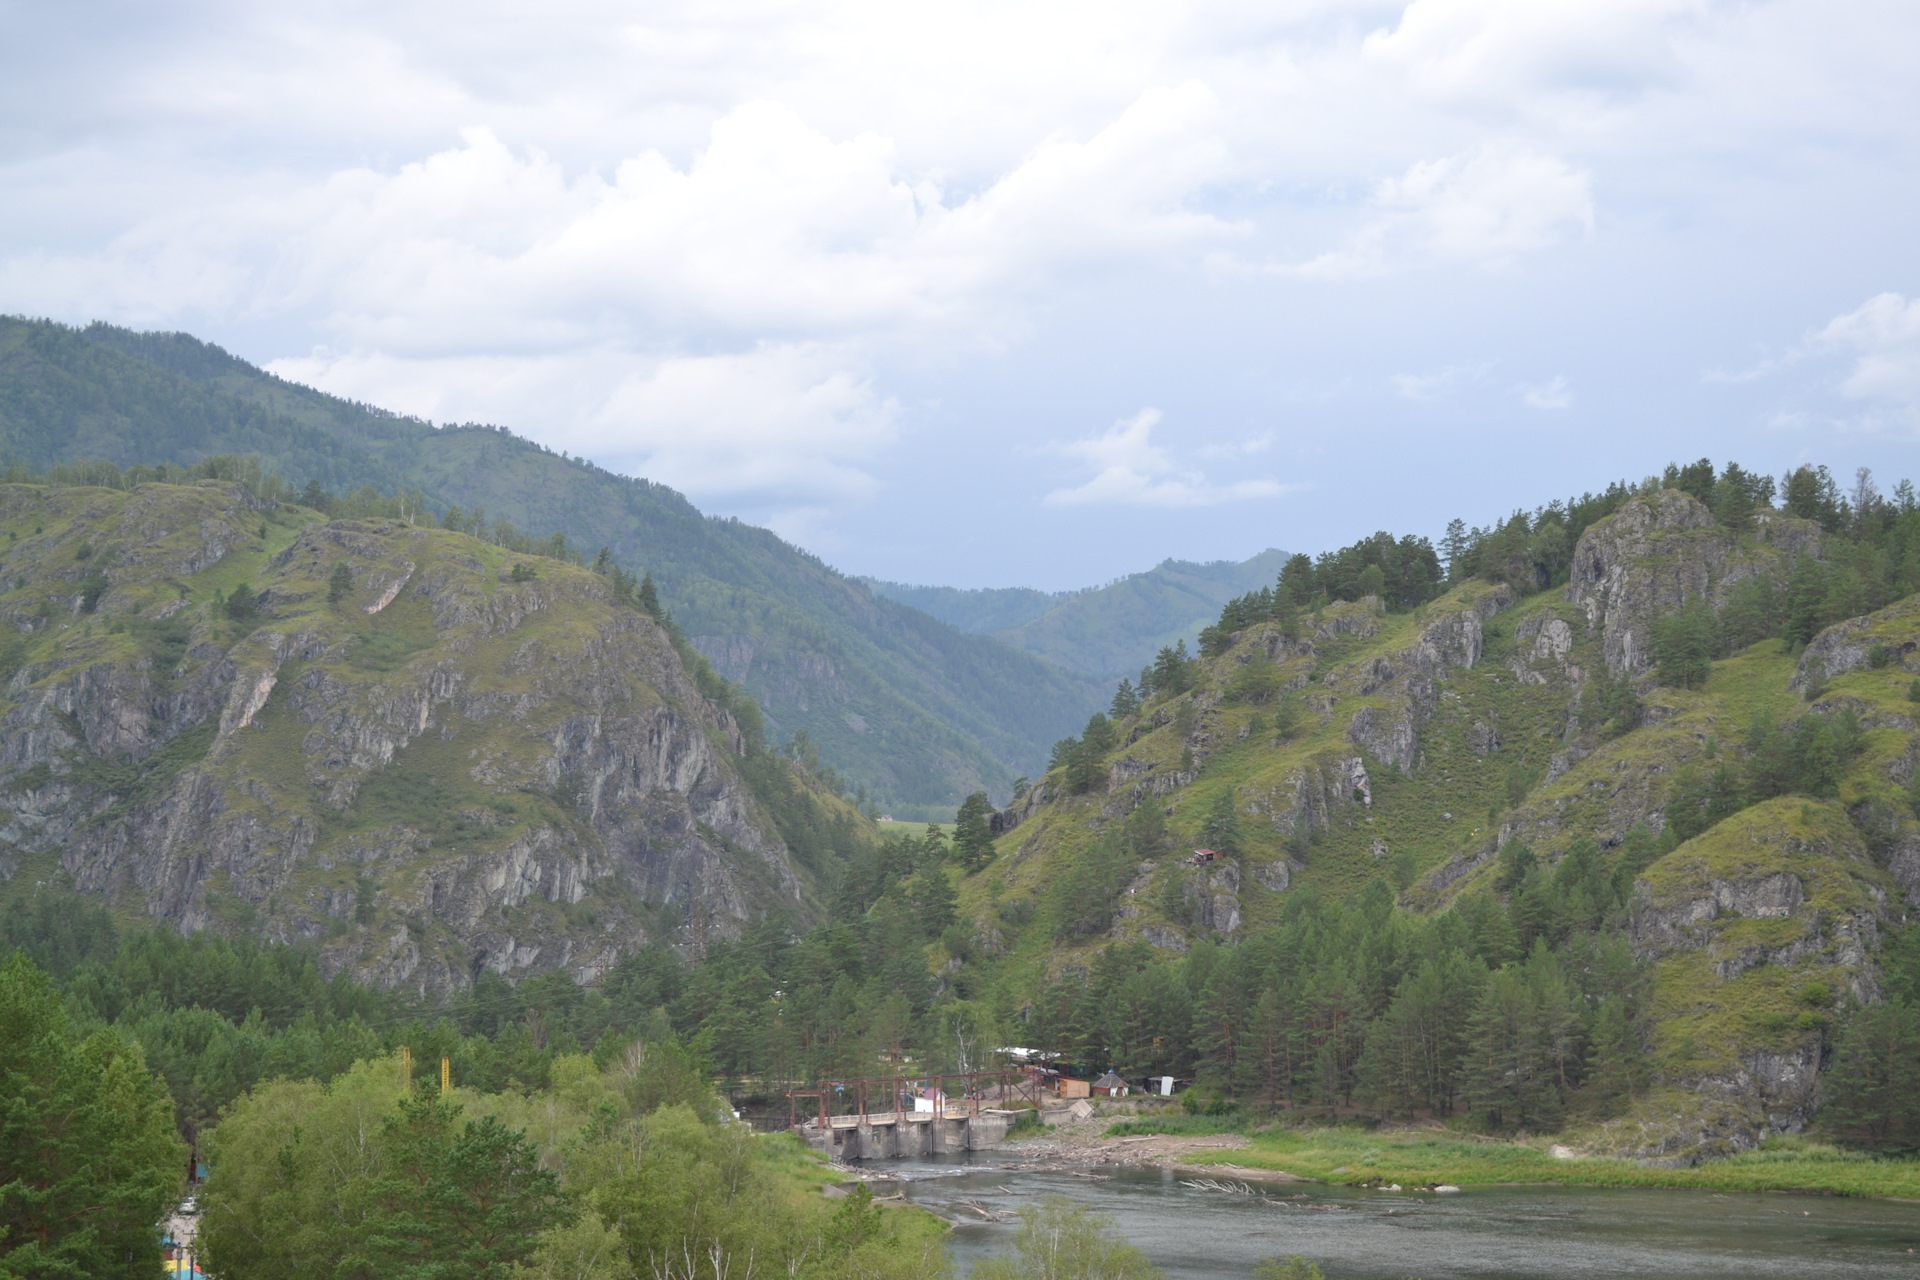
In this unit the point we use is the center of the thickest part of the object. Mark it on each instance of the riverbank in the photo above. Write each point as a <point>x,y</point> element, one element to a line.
<point>1425,1159</point>
<point>1436,1157</point>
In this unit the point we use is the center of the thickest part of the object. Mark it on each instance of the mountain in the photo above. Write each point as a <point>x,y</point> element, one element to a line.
<point>411,749</point>
<point>1108,631</point>
<point>1652,820</point>
<point>913,708</point>
<point>976,610</point>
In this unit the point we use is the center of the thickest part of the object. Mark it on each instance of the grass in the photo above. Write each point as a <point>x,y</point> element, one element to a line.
<point>889,827</point>
<point>1180,1125</point>
<point>1354,1156</point>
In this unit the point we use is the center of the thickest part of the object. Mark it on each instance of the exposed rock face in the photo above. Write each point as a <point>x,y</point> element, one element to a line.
<point>450,771</point>
<point>1846,646</point>
<point>1657,553</point>
<point>1778,897</point>
<point>1410,679</point>
<point>1543,649</point>
<point>1687,924</point>
<point>1215,898</point>
<point>1311,798</point>
<point>1004,820</point>
<point>1276,876</point>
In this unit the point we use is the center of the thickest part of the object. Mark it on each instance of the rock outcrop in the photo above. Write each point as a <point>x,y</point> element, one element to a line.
<point>1760,928</point>
<point>1659,552</point>
<point>1849,646</point>
<point>455,768</point>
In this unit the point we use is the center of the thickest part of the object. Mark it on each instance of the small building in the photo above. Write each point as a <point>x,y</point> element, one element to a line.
<point>1068,1087</point>
<point>1110,1086</point>
<point>1201,857</point>
<point>931,1101</point>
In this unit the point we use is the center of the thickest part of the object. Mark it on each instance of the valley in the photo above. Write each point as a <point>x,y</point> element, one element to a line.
<point>1581,854</point>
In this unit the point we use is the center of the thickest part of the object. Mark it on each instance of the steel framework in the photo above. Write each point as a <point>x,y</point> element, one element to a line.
<point>1009,1084</point>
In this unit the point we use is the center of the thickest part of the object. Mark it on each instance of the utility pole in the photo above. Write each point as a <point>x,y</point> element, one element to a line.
<point>446,1075</point>
<point>406,1068</point>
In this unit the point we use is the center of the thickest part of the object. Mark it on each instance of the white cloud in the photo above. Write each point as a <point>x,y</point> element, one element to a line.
<point>1232,449</point>
<point>1553,394</point>
<point>1883,336</point>
<point>1487,208</point>
<point>1130,470</point>
<point>780,424</point>
<point>1437,385</point>
<point>1494,51</point>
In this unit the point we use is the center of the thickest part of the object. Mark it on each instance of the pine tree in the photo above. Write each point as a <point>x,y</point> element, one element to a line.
<point>1806,599</point>
<point>339,583</point>
<point>1683,644</point>
<point>1616,1067</point>
<point>89,1159</point>
<point>242,605</point>
<point>1221,830</point>
<point>649,597</point>
<point>459,1206</point>
<point>1873,1091</point>
<point>973,832</point>
<point>1454,544</point>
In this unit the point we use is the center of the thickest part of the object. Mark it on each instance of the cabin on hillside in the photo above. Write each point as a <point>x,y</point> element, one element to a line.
<point>1201,857</point>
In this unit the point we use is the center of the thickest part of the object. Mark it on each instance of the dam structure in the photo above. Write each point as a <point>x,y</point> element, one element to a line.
<point>917,1118</point>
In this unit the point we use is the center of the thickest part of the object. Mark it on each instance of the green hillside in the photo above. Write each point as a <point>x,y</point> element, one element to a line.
<point>1617,858</point>
<point>911,708</point>
<point>1102,631</point>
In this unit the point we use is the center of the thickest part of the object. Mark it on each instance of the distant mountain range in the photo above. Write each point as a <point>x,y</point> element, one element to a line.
<point>1109,631</point>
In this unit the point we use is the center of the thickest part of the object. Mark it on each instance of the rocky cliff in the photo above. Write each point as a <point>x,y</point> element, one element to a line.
<point>424,755</point>
<point>1659,552</point>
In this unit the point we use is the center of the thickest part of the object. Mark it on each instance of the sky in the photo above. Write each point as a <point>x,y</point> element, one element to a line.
<point>1034,294</point>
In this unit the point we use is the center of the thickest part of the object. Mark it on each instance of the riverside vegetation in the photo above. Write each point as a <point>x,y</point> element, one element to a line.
<point>1595,824</point>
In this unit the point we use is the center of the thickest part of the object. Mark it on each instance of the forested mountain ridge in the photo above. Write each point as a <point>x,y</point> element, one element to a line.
<point>914,710</point>
<point>1614,834</point>
<point>418,752</point>
<point>1105,630</point>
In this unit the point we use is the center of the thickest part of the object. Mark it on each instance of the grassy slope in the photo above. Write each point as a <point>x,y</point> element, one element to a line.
<point>1440,815</point>
<point>943,712</point>
<point>1408,811</point>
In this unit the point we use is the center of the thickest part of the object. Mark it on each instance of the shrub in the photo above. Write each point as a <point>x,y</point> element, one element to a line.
<point>1291,1269</point>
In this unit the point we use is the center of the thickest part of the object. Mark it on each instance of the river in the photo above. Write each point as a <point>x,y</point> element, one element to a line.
<point>1515,1233</point>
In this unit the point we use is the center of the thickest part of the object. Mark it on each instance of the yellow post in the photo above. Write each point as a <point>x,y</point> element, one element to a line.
<point>406,1068</point>
<point>446,1074</point>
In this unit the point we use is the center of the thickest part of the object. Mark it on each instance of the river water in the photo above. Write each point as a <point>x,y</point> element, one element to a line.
<point>1514,1233</point>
